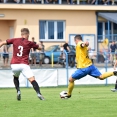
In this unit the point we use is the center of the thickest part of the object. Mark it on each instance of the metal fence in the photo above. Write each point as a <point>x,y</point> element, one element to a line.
<point>110,37</point>
<point>102,60</point>
<point>99,59</point>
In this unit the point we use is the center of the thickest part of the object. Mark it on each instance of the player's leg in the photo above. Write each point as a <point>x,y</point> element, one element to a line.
<point>16,73</point>
<point>16,83</point>
<point>70,86</point>
<point>28,74</point>
<point>116,85</point>
<point>78,74</point>
<point>107,74</point>
<point>96,73</point>
<point>36,87</point>
<point>115,89</point>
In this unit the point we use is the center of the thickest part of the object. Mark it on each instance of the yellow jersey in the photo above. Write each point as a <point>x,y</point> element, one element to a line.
<point>82,57</point>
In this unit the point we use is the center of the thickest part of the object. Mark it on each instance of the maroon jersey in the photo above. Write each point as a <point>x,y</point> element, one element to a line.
<point>21,49</point>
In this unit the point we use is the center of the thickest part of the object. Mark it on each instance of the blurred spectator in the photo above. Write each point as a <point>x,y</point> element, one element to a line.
<point>71,54</point>
<point>29,1</point>
<point>51,1</point>
<point>61,48</point>
<point>61,58</point>
<point>1,1</point>
<point>41,55</point>
<point>74,1</point>
<point>20,1</point>
<point>29,59</point>
<point>113,48</point>
<point>100,57</point>
<point>1,50</point>
<point>113,2</point>
<point>5,55</point>
<point>33,53</point>
<point>91,1</point>
<point>92,55</point>
<point>107,1</point>
<point>66,46</point>
<point>37,1</point>
<point>47,1</point>
<point>68,1</point>
<point>17,1</point>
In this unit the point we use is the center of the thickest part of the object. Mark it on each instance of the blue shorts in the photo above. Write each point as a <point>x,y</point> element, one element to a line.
<point>91,70</point>
<point>5,56</point>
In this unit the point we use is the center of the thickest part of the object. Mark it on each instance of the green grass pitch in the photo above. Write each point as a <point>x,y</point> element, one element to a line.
<point>86,101</point>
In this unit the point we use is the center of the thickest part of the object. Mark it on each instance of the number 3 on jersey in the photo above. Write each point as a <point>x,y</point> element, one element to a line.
<point>20,51</point>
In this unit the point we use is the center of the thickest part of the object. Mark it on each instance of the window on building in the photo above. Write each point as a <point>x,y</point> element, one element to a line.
<point>100,28</point>
<point>52,30</point>
<point>106,28</point>
<point>114,28</point>
<point>100,31</point>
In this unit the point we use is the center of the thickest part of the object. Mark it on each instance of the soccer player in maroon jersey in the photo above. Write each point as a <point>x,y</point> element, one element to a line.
<point>19,62</point>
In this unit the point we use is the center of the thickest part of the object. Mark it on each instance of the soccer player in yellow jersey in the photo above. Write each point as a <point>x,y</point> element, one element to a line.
<point>84,66</point>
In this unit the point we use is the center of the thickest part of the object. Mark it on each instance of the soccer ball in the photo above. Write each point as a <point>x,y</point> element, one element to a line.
<point>63,95</point>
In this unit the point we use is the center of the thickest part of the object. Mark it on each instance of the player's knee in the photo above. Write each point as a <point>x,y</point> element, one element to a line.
<point>100,77</point>
<point>31,79</point>
<point>16,76</point>
<point>71,79</point>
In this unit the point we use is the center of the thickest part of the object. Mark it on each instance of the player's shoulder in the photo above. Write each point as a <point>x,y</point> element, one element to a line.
<point>79,43</point>
<point>20,40</point>
<point>29,41</point>
<point>16,39</point>
<point>12,40</point>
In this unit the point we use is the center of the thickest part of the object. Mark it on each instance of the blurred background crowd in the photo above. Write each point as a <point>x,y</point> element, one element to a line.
<point>86,2</point>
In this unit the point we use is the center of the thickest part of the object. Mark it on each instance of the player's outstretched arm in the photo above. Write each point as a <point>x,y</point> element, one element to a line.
<point>86,44</point>
<point>40,47</point>
<point>3,43</point>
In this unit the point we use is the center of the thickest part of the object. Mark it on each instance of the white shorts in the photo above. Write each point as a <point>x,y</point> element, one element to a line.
<point>21,68</point>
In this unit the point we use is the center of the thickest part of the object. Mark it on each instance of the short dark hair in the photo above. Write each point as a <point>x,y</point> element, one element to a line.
<point>79,37</point>
<point>25,30</point>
